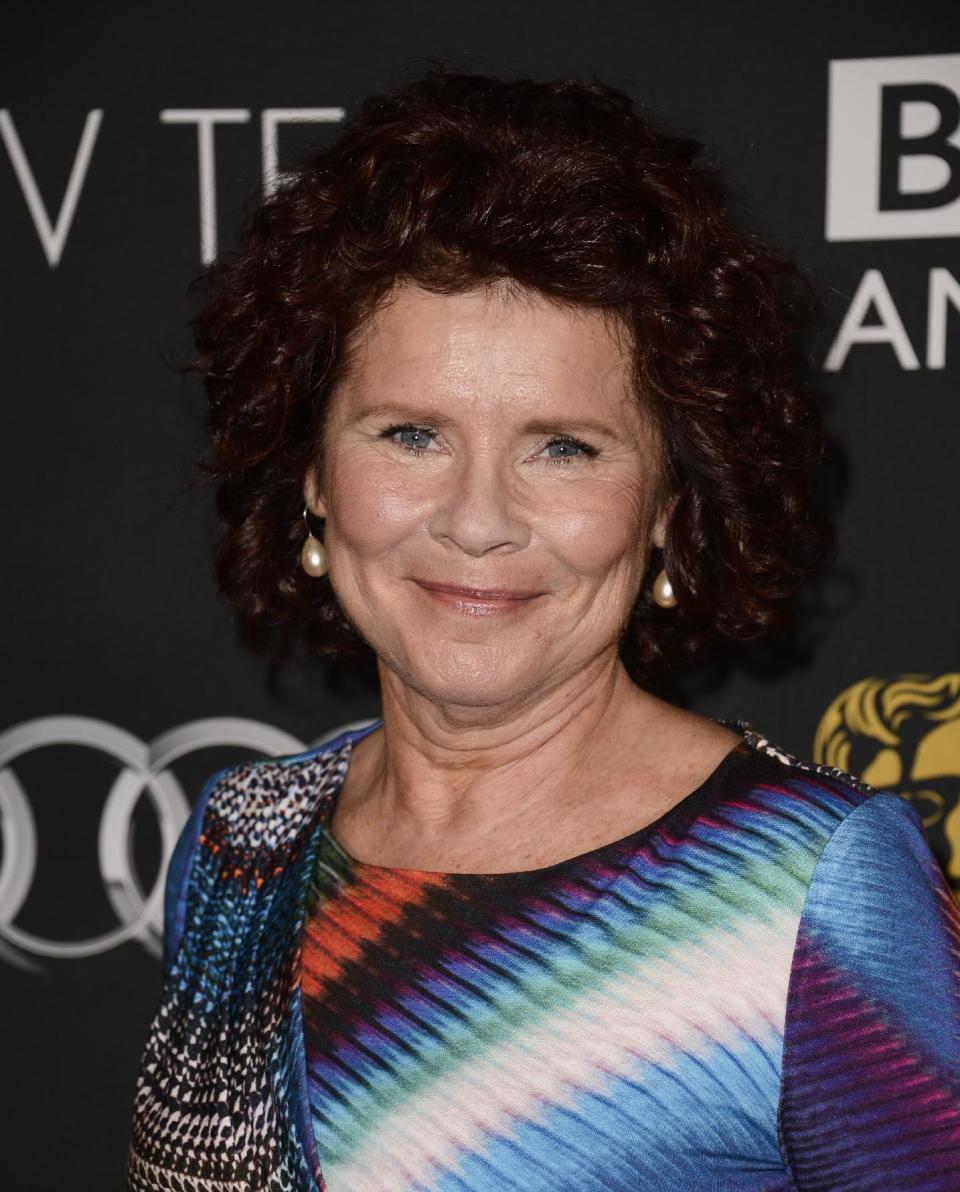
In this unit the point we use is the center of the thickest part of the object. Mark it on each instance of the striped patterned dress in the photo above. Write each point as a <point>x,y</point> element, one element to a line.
<point>758,990</point>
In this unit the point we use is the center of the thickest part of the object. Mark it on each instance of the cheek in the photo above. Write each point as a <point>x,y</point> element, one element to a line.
<point>596,531</point>
<point>374,508</point>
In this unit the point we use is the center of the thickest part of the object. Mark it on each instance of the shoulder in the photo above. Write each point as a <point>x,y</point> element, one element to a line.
<point>849,852</point>
<point>816,806</point>
<point>777,764</point>
<point>268,800</point>
<point>757,774</point>
<point>248,817</point>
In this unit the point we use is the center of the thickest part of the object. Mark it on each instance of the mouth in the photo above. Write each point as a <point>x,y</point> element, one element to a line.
<point>478,593</point>
<point>482,602</point>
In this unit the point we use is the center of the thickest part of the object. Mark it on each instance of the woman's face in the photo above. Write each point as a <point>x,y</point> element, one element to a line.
<point>487,442</point>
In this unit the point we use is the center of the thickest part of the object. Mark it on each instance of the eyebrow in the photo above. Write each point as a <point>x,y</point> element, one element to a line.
<point>439,417</point>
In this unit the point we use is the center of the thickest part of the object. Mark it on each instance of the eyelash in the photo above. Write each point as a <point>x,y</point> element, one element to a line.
<point>585,448</point>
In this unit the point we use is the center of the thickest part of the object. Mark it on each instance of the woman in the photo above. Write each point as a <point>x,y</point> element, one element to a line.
<point>502,397</point>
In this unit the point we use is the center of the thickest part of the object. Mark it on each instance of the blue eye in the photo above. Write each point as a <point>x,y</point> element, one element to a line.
<point>569,447</point>
<point>422,433</point>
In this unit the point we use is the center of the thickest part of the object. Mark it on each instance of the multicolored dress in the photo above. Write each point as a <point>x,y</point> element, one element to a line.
<point>758,990</point>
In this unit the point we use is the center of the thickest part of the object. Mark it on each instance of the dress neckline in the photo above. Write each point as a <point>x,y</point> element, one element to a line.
<point>749,744</point>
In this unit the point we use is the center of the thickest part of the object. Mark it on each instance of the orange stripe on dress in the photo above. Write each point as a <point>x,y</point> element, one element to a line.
<point>339,927</point>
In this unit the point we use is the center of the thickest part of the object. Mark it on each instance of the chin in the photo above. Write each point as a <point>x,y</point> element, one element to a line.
<point>470,675</point>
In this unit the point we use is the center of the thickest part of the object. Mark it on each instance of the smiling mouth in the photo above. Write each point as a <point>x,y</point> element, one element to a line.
<point>478,602</point>
<point>477,593</point>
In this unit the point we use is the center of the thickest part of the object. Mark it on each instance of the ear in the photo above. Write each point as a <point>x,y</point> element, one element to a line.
<point>658,534</point>
<point>313,496</point>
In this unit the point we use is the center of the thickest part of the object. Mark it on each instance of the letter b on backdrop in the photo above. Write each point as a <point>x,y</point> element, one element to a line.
<point>893,161</point>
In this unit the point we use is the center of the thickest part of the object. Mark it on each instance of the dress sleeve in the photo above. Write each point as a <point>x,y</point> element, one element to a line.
<point>177,880</point>
<point>870,1082</point>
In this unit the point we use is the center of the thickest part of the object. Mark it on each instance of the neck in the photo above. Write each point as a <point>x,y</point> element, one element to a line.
<point>437,781</point>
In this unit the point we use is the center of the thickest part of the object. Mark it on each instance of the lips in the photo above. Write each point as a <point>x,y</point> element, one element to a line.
<point>491,594</point>
<point>482,603</point>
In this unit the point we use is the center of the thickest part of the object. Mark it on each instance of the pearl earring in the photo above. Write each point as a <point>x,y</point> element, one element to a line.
<point>313,555</point>
<point>663,591</point>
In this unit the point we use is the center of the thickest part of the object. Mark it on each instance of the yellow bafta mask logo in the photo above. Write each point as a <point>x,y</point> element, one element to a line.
<point>903,734</point>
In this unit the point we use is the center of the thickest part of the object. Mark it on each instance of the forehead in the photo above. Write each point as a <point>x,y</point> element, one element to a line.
<point>487,338</point>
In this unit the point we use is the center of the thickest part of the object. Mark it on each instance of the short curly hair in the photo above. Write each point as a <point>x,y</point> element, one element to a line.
<point>458,180</point>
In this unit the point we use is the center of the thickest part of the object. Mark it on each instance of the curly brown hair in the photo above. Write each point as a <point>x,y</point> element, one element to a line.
<point>456,180</point>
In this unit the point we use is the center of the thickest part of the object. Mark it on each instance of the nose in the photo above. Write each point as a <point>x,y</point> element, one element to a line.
<point>477,510</point>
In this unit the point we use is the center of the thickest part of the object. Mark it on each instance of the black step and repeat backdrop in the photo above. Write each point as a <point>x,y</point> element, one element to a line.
<point>131,138</point>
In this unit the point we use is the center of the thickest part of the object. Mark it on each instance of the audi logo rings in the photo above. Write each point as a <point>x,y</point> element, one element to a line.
<point>144,769</point>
